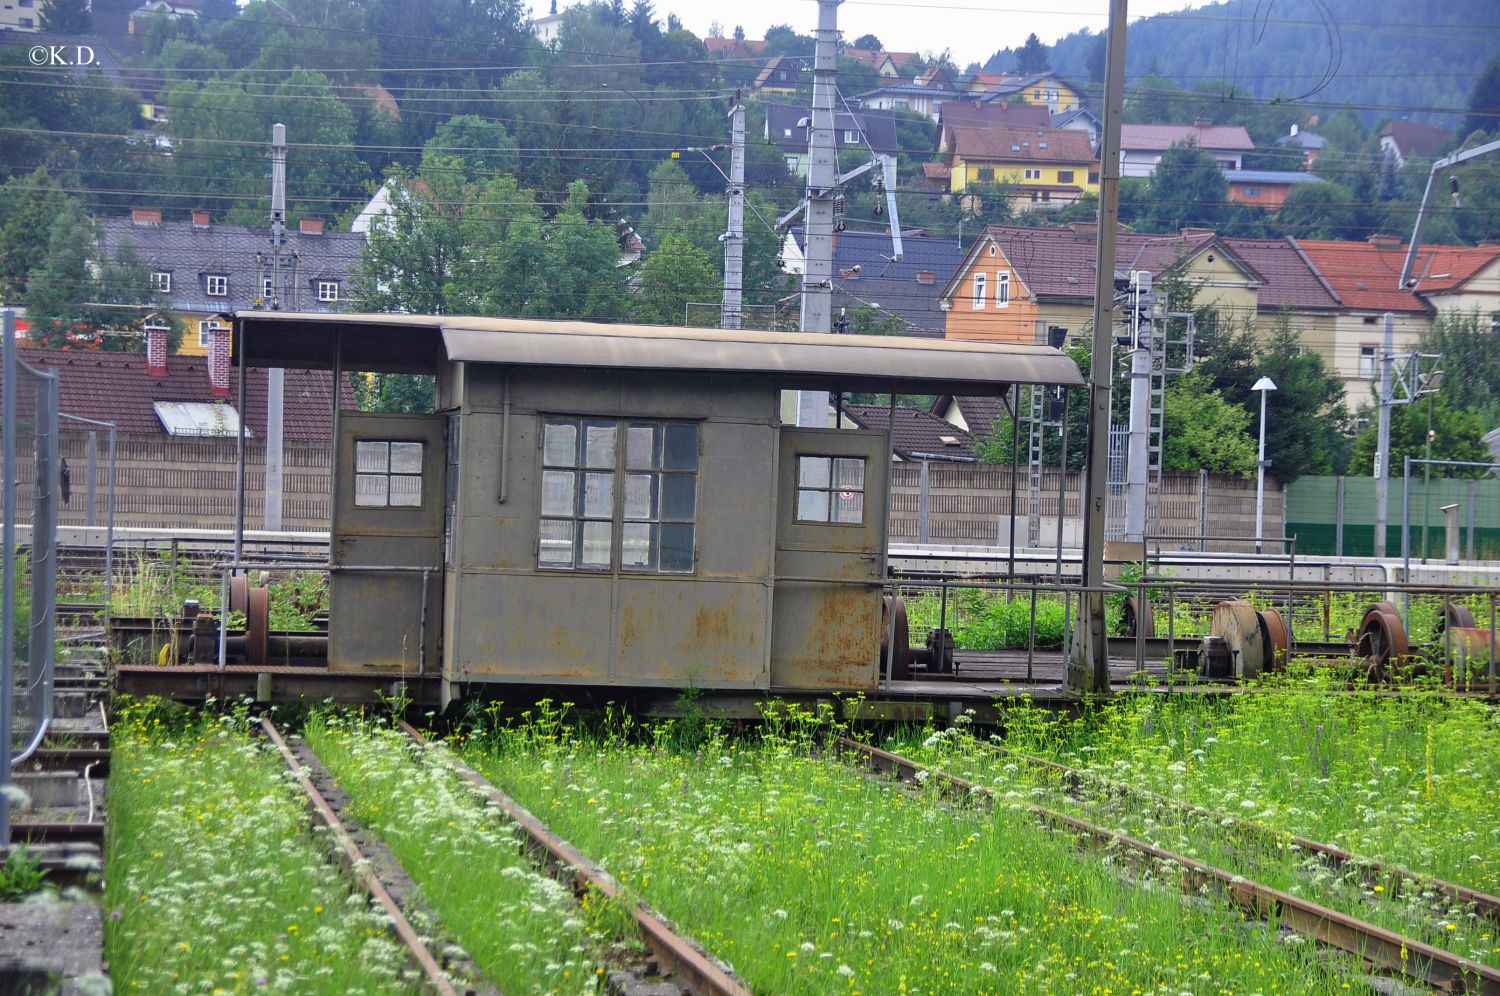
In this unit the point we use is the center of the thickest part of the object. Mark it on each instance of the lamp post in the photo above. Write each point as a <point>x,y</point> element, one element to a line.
<point>1265,386</point>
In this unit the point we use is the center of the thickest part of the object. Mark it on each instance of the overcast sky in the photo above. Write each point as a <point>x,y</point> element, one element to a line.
<point>972,30</point>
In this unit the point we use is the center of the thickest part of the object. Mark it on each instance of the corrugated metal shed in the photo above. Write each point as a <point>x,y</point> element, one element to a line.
<point>793,359</point>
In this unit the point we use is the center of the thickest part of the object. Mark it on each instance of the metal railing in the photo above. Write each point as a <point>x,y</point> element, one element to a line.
<point>27,650</point>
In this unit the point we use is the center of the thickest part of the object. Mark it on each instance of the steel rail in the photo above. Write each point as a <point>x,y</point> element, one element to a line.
<point>1381,948</point>
<point>1370,870</point>
<point>359,866</point>
<point>694,970</point>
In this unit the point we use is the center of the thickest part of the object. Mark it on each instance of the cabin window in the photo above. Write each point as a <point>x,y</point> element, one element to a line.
<point>653,514</point>
<point>387,474</point>
<point>831,489</point>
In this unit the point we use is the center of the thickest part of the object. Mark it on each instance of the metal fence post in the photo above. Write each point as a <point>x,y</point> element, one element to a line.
<point>1202,508</point>
<point>1470,547</point>
<point>8,565</point>
<point>91,464</point>
<point>1406,542</point>
<point>922,502</point>
<point>1338,518</point>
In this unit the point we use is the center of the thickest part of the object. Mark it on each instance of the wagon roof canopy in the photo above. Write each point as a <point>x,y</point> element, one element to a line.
<point>417,343</point>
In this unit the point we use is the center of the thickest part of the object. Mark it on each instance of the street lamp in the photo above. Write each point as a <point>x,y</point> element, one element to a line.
<point>1265,385</point>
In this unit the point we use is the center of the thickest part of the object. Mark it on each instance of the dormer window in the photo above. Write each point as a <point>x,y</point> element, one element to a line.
<point>216,285</point>
<point>161,281</point>
<point>328,290</point>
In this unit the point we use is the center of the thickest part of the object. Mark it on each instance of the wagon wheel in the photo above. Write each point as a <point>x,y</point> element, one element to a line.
<point>239,585</point>
<point>257,625</point>
<point>1454,616</point>
<point>1145,617</point>
<point>1381,638</point>
<point>901,659</point>
<point>1273,634</point>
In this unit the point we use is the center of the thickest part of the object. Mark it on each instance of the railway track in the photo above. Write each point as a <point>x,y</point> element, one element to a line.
<point>692,970</point>
<point>1392,879</point>
<point>359,867</point>
<point>1381,948</point>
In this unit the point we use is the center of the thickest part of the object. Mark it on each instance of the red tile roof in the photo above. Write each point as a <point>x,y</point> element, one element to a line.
<point>917,432</point>
<point>1445,268</point>
<point>982,114</point>
<point>738,48</point>
<point>1161,137</point>
<point>1415,138</point>
<point>116,387</point>
<point>1365,275</point>
<point>1012,144</point>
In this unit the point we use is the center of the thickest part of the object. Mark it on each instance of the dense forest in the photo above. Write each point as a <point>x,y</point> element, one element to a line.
<point>1382,58</point>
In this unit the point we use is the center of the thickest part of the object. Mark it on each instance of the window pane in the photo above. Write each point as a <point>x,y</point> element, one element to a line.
<point>406,490</point>
<point>557,492</point>
<point>640,496</point>
<point>370,490</point>
<point>681,449</point>
<point>677,496</point>
<point>849,506</point>
<point>599,444</point>
<point>643,447</point>
<point>676,546</point>
<point>849,473</point>
<point>598,496</point>
<point>560,444</point>
<point>406,458</point>
<point>812,506</point>
<point>638,545</point>
<point>557,542</point>
<point>812,472</point>
<point>596,542</point>
<point>370,457</point>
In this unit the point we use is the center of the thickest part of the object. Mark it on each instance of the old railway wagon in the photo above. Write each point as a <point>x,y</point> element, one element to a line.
<point>614,504</point>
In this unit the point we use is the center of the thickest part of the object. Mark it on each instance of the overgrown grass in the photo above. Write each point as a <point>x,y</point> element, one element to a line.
<point>214,882</point>
<point>810,878</point>
<point>521,927</point>
<point>1400,905</point>
<point>980,619</point>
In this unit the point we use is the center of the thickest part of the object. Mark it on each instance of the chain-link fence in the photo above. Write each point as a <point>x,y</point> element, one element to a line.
<point>28,612</point>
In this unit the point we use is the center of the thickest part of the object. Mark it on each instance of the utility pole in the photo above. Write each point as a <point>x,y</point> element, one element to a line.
<point>1088,670</point>
<point>822,180</point>
<point>1383,433</point>
<point>1136,455</point>
<point>732,310</point>
<point>276,383</point>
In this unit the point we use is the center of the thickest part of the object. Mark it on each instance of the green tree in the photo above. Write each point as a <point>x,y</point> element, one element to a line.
<point>1201,430</point>
<point>484,147</point>
<point>1484,100</point>
<point>866,319</point>
<point>66,17</point>
<point>1307,425</point>
<point>870,42</point>
<point>1318,211</point>
<point>1187,189</point>
<point>409,257</point>
<point>1469,344</point>
<point>676,273</point>
<point>28,206</point>
<point>1457,434</point>
<point>1032,56</point>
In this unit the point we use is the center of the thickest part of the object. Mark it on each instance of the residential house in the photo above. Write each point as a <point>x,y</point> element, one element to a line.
<point>1047,89</point>
<point>21,15</point>
<point>206,269</point>
<point>739,49</point>
<point>1016,282</point>
<point>142,17</point>
<point>865,274</point>
<point>918,435</point>
<point>548,27</point>
<point>1366,277</point>
<point>787,128</point>
<point>979,114</point>
<point>927,100</point>
<point>932,182</point>
<point>783,74</point>
<point>1459,278</point>
<point>1267,188</point>
<point>1142,145</point>
<point>1080,119</point>
<point>1046,168</point>
<point>152,393</point>
<point>1405,139</point>
<point>976,416</point>
<point>1309,144</point>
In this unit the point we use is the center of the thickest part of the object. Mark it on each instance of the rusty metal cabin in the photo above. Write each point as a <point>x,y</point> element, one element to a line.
<point>614,504</point>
